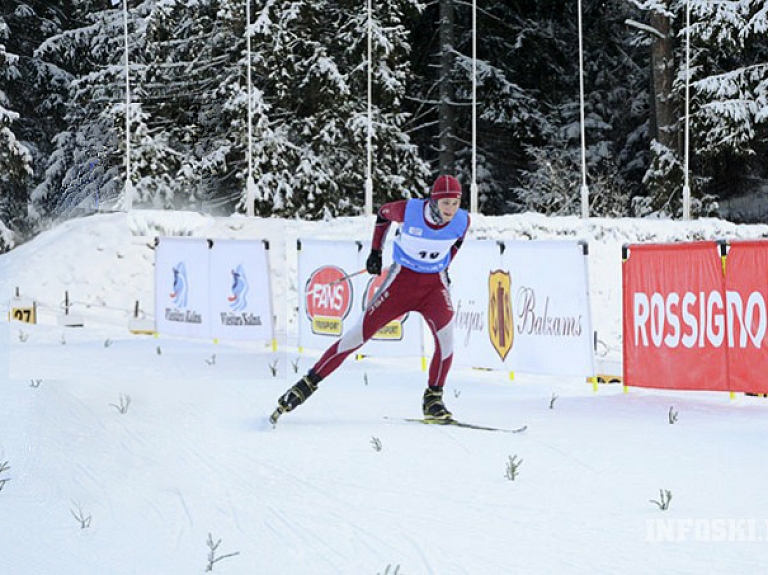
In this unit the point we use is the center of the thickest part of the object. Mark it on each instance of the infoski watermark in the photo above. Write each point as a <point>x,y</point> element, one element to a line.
<point>706,530</point>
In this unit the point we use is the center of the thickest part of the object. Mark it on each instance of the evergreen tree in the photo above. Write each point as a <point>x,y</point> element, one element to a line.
<point>63,104</point>
<point>85,164</point>
<point>528,129</point>
<point>182,160</point>
<point>728,79</point>
<point>311,68</point>
<point>15,158</point>
<point>616,110</point>
<point>729,96</point>
<point>508,113</point>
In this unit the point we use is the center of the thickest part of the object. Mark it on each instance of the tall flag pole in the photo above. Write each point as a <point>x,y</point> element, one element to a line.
<point>473,186</point>
<point>584,189</point>
<point>686,187</point>
<point>250,186</point>
<point>128,198</point>
<point>369,143</point>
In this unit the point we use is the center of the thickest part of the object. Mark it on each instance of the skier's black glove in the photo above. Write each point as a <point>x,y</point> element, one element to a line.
<point>373,263</point>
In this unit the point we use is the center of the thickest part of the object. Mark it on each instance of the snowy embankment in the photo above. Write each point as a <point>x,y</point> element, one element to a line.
<point>101,263</point>
<point>132,455</point>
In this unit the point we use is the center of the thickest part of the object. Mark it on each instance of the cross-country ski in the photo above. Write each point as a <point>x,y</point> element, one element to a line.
<point>457,423</point>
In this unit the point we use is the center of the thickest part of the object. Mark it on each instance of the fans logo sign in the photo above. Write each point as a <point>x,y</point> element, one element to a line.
<point>328,300</point>
<point>500,327</point>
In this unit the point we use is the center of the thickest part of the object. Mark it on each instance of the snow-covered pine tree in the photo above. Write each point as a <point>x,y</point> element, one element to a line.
<point>226,132</point>
<point>311,69</point>
<point>615,121</point>
<point>729,83</point>
<point>398,170</point>
<point>86,165</point>
<point>730,95</point>
<point>508,108</point>
<point>188,54</point>
<point>15,158</point>
<point>527,94</point>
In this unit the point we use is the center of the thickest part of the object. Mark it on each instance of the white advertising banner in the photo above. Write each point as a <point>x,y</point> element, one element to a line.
<point>330,305</point>
<point>523,306</point>
<point>470,293</point>
<point>181,287</point>
<point>325,299</point>
<point>240,293</point>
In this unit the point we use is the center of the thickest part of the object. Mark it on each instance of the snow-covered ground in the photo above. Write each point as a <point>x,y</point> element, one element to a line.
<point>336,488</point>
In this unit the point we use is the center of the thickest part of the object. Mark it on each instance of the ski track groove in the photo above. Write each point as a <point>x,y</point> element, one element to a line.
<point>184,507</point>
<point>299,533</point>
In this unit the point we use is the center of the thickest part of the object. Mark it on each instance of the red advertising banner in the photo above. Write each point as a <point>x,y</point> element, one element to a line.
<point>746,285</point>
<point>674,317</point>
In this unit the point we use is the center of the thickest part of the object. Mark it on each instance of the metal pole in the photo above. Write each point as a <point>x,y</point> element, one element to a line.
<point>369,142</point>
<point>249,185</point>
<point>584,189</point>
<point>686,186</point>
<point>473,186</point>
<point>128,184</point>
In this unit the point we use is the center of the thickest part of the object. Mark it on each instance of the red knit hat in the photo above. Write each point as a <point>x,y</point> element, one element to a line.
<point>446,187</point>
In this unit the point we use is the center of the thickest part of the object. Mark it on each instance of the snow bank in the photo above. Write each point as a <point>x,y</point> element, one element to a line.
<point>106,261</point>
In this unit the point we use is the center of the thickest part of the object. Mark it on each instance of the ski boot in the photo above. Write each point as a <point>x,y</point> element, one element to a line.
<point>433,406</point>
<point>296,395</point>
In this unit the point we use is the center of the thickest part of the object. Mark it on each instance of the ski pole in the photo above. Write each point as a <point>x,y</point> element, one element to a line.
<point>334,282</point>
<point>346,277</point>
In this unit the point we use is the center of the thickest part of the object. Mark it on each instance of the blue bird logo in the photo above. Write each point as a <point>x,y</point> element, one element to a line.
<point>237,301</point>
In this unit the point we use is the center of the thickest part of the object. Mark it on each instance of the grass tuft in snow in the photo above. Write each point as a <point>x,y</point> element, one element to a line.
<point>125,401</point>
<point>665,496</point>
<point>552,401</point>
<point>388,572</point>
<point>672,415</point>
<point>295,365</point>
<point>79,515</point>
<point>513,466</point>
<point>35,382</point>
<point>273,368</point>
<point>376,443</point>
<point>212,548</point>
<point>4,466</point>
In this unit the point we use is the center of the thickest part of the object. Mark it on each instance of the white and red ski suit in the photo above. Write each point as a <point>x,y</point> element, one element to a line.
<point>417,282</point>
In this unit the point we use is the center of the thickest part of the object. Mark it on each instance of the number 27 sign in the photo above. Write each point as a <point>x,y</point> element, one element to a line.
<point>25,314</point>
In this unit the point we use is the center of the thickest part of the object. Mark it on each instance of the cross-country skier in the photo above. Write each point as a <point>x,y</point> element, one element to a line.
<point>431,231</point>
